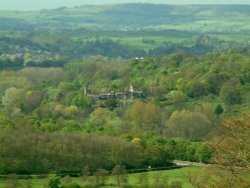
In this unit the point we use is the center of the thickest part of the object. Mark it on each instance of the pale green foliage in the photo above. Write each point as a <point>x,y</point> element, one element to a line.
<point>101,116</point>
<point>230,155</point>
<point>146,116</point>
<point>187,124</point>
<point>13,98</point>
<point>8,80</point>
<point>231,92</point>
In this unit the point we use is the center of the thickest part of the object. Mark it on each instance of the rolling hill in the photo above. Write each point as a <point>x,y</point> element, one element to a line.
<point>134,16</point>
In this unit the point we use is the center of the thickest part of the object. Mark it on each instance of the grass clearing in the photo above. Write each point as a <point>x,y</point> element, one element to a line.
<point>133,179</point>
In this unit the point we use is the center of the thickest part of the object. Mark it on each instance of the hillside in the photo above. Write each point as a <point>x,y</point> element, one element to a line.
<point>135,16</point>
<point>125,30</point>
<point>163,106</point>
<point>103,91</point>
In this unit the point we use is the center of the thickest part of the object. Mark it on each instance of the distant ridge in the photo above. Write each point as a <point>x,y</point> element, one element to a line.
<point>131,16</point>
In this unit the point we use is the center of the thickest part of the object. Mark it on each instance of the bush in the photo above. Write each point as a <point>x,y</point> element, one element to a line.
<point>54,181</point>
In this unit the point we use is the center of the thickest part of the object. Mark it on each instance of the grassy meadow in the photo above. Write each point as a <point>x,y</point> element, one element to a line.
<point>176,175</point>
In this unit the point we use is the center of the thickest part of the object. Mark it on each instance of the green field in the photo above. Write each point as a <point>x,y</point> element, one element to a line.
<point>169,175</point>
<point>157,27</point>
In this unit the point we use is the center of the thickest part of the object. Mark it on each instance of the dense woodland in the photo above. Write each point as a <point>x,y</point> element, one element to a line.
<point>54,109</point>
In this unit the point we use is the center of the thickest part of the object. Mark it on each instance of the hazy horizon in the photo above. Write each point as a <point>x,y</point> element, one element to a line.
<point>48,4</point>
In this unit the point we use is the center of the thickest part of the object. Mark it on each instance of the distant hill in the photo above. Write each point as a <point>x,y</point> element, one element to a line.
<point>134,16</point>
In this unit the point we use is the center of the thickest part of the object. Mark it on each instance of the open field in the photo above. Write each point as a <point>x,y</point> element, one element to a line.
<point>169,175</point>
<point>145,40</point>
<point>159,28</point>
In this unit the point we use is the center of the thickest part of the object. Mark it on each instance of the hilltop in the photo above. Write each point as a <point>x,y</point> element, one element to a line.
<point>135,16</point>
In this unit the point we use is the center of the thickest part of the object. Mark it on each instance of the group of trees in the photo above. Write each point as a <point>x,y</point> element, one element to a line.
<point>6,62</point>
<point>230,162</point>
<point>186,97</point>
<point>71,152</point>
<point>176,87</point>
<point>49,48</point>
<point>230,157</point>
<point>64,153</point>
<point>190,125</point>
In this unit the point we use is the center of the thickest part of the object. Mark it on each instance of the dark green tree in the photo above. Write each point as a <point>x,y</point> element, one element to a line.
<point>218,109</point>
<point>54,181</point>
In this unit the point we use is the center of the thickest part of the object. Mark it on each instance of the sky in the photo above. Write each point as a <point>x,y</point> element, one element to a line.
<point>50,4</point>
